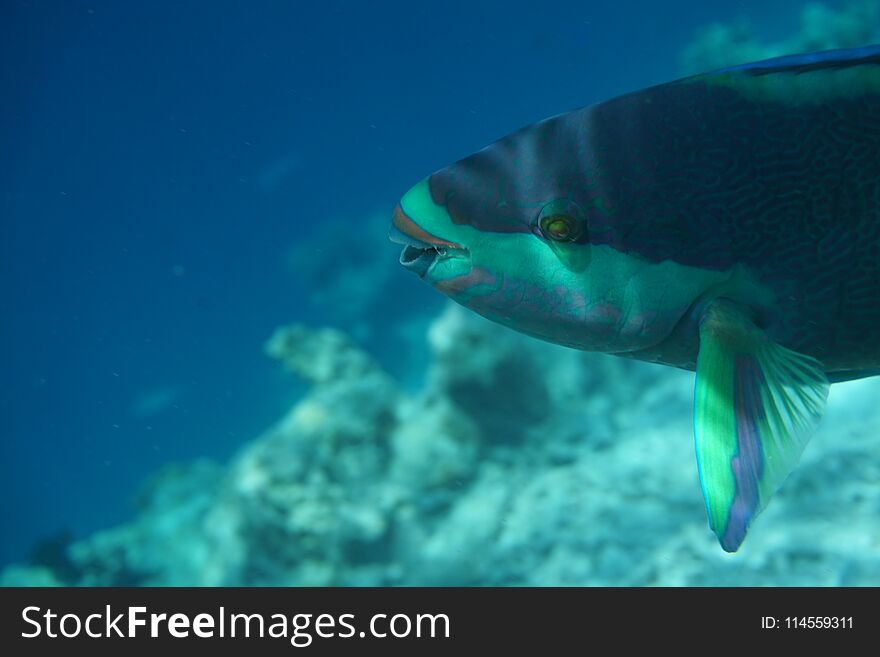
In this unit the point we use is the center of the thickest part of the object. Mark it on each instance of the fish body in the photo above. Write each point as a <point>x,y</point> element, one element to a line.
<point>727,223</point>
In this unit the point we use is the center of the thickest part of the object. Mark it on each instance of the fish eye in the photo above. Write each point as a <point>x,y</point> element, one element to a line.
<point>559,228</point>
<point>561,221</point>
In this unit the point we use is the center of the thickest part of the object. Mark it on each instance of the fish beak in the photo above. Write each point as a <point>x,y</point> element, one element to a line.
<point>417,259</point>
<point>420,248</point>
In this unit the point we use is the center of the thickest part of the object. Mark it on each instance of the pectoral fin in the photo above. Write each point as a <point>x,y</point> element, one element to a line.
<point>756,405</point>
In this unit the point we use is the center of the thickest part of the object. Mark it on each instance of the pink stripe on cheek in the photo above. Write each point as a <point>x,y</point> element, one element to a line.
<point>476,276</point>
<point>605,312</point>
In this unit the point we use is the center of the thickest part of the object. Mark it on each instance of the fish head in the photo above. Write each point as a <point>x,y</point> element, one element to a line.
<point>524,267</point>
<point>518,232</point>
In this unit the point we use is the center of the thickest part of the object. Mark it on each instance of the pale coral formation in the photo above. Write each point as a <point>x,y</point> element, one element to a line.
<point>517,462</point>
<point>855,23</point>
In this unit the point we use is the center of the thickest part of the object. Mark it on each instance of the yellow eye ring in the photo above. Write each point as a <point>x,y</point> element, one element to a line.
<point>560,228</point>
<point>561,220</point>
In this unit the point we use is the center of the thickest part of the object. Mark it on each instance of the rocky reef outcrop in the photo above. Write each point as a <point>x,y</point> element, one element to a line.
<point>517,462</point>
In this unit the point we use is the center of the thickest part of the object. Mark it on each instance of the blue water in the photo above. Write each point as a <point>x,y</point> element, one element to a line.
<point>160,159</point>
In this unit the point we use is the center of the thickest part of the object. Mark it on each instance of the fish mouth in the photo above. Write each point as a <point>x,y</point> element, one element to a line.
<point>416,256</point>
<point>420,248</point>
<point>418,260</point>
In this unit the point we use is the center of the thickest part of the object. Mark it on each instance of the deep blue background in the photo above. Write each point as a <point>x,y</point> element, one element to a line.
<point>159,158</point>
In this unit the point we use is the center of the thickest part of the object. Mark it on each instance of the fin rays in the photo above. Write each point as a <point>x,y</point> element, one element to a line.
<point>756,405</point>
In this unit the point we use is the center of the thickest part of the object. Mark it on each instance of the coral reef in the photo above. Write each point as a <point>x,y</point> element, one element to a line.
<point>517,462</point>
<point>857,23</point>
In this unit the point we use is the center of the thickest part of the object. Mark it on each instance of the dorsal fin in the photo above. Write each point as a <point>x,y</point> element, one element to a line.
<point>826,59</point>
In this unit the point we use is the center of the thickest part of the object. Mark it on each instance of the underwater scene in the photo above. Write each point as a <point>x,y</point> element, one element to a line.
<point>614,316</point>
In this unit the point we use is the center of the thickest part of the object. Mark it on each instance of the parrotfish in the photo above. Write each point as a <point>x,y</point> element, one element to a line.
<point>726,223</point>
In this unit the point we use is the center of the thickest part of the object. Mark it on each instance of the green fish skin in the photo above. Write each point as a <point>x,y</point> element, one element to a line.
<point>727,223</point>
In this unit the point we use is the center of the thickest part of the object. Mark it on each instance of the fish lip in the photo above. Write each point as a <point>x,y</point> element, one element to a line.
<point>404,228</point>
<point>419,254</point>
<point>399,237</point>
